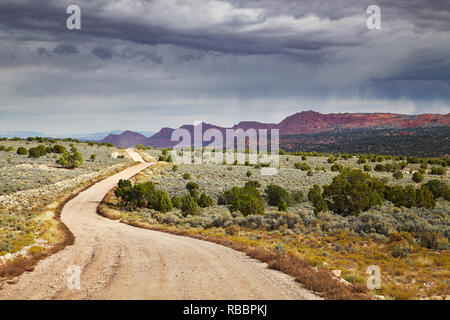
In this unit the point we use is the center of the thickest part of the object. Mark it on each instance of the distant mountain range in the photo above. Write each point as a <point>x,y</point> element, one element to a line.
<point>314,129</point>
<point>81,136</point>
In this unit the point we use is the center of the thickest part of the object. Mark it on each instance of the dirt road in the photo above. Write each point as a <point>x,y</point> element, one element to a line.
<point>118,261</point>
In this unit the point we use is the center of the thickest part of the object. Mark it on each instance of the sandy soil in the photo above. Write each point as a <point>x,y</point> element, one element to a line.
<point>118,261</point>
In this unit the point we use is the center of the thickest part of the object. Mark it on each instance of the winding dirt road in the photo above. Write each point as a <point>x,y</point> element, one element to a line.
<point>118,261</point>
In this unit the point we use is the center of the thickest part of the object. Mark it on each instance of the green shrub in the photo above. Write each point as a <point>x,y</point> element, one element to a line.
<point>336,167</point>
<point>205,201</point>
<point>424,198</point>
<point>297,196</point>
<point>247,200</point>
<point>193,188</point>
<point>331,160</point>
<point>175,168</point>
<point>367,168</point>
<point>276,195</point>
<point>397,175</point>
<point>282,206</point>
<point>439,189</point>
<point>140,147</point>
<point>438,171</point>
<point>93,157</point>
<point>70,160</point>
<point>22,151</point>
<point>189,206</point>
<point>37,152</point>
<point>417,177</point>
<point>315,196</point>
<point>176,201</point>
<point>162,202</point>
<point>410,197</point>
<point>302,166</point>
<point>187,176</point>
<point>352,192</point>
<point>58,149</point>
<point>249,174</point>
<point>380,168</point>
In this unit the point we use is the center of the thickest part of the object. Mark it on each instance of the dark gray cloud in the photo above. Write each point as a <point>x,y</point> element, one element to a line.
<point>102,53</point>
<point>43,52</point>
<point>254,59</point>
<point>65,49</point>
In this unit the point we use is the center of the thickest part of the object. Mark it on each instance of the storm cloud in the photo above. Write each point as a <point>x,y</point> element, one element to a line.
<point>145,64</point>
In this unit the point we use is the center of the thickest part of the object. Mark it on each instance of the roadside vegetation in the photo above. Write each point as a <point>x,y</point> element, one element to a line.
<point>36,175</point>
<point>328,211</point>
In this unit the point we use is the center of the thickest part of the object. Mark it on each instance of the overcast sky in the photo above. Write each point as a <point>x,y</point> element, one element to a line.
<point>143,65</point>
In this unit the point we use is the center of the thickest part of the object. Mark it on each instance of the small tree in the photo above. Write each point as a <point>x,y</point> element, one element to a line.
<point>193,188</point>
<point>205,201</point>
<point>276,194</point>
<point>315,196</point>
<point>417,177</point>
<point>176,201</point>
<point>22,151</point>
<point>163,202</point>
<point>439,189</point>
<point>282,206</point>
<point>71,160</point>
<point>189,206</point>
<point>397,175</point>
<point>425,198</point>
<point>352,192</point>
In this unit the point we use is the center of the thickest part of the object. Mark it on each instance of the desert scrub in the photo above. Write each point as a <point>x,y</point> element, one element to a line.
<point>24,173</point>
<point>29,185</point>
<point>351,242</point>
